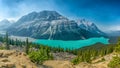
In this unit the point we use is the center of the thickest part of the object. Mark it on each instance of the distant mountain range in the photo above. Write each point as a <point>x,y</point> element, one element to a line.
<point>4,24</point>
<point>52,25</point>
<point>113,36</point>
<point>114,33</point>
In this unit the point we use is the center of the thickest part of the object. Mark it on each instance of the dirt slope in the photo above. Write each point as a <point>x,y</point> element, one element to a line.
<point>13,59</point>
<point>97,63</point>
<point>58,64</point>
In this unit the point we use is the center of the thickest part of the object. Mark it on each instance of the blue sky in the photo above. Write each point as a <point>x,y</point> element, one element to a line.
<point>104,13</point>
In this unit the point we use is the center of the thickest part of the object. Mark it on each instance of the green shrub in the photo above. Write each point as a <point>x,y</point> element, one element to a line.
<point>76,60</point>
<point>115,62</point>
<point>2,48</point>
<point>40,55</point>
<point>117,49</point>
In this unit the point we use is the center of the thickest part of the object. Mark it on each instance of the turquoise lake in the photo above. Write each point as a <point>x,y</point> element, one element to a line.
<point>72,44</point>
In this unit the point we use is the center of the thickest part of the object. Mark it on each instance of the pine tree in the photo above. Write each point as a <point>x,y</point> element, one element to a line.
<point>27,46</point>
<point>117,48</point>
<point>7,41</point>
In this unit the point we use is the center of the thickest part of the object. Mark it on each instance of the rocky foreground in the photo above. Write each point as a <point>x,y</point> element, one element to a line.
<point>98,63</point>
<point>13,59</point>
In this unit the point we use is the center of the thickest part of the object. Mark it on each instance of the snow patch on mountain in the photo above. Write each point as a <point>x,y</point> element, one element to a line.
<point>52,25</point>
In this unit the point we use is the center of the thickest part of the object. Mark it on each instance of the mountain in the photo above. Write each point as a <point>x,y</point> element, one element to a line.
<point>113,36</point>
<point>89,26</point>
<point>4,24</point>
<point>114,33</point>
<point>52,25</point>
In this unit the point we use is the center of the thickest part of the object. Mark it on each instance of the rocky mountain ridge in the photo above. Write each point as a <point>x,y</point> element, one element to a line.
<point>4,24</point>
<point>52,25</point>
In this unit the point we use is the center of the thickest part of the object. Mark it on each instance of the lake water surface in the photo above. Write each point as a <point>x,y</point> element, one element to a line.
<point>72,44</point>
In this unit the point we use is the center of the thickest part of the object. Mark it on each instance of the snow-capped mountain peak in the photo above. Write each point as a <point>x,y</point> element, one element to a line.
<point>4,24</point>
<point>52,25</point>
<point>40,16</point>
<point>84,24</point>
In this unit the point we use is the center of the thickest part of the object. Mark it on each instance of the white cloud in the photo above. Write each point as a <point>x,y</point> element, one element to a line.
<point>116,27</point>
<point>27,6</point>
<point>23,8</point>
